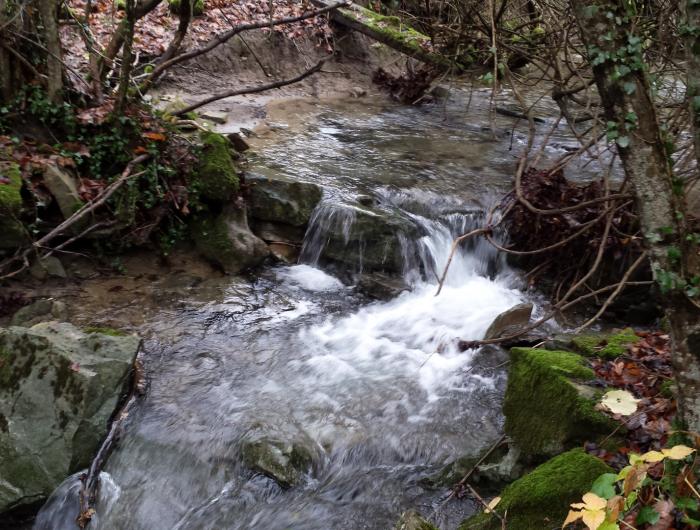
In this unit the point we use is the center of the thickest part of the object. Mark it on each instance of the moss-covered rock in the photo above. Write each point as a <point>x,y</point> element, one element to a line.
<point>605,345</point>
<point>197,8</point>
<point>548,406</point>
<point>541,498</point>
<point>226,240</point>
<point>13,232</point>
<point>216,178</point>
<point>412,520</point>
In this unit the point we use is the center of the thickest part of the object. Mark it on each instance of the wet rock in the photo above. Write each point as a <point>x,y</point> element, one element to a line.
<point>63,186</point>
<point>238,142</point>
<point>510,321</point>
<point>549,407</point>
<point>226,240</point>
<point>542,498</point>
<point>440,92</point>
<point>58,388</point>
<point>412,520</point>
<point>490,472</point>
<point>40,311</point>
<point>216,175</point>
<point>286,253</point>
<point>48,267</point>
<point>13,233</point>
<point>282,201</point>
<point>278,232</point>
<point>358,92</point>
<point>362,238</point>
<point>381,286</point>
<point>284,462</point>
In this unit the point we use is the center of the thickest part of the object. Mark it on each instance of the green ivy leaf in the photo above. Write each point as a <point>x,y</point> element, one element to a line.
<point>629,87</point>
<point>623,141</point>
<point>604,486</point>
<point>687,503</point>
<point>647,515</point>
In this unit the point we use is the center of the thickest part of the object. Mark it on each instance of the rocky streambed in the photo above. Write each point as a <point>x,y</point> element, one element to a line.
<point>327,389</point>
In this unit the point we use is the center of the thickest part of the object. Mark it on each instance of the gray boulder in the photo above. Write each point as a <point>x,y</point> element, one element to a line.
<point>510,321</point>
<point>42,310</point>
<point>58,388</point>
<point>63,185</point>
<point>280,200</point>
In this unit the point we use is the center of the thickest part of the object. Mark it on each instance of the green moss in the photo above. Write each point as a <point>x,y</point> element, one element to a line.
<point>197,9</point>
<point>210,236</point>
<point>541,498</point>
<point>393,30</point>
<point>607,346</point>
<point>105,331</point>
<point>13,232</point>
<point>547,405</point>
<point>216,174</point>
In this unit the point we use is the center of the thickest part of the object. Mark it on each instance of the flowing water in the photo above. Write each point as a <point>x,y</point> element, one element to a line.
<point>377,392</point>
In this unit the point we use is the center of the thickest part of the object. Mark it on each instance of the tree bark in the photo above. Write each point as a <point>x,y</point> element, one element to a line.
<point>115,44</point>
<point>127,59</point>
<point>48,10</point>
<point>185,14</point>
<point>633,119</point>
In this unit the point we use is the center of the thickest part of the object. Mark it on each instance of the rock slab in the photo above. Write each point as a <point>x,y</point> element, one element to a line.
<point>58,389</point>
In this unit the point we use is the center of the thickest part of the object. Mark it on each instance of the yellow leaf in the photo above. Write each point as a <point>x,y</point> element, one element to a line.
<point>634,478</point>
<point>593,502</point>
<point>620,402</point>
<point>624,471</point>
<point>572,517</point>
<point>578,505</point>
<point>678,452</point>
<point>494,502</point>
<point>615,506</point>
<point>593,518</point>
<point>653,456</point>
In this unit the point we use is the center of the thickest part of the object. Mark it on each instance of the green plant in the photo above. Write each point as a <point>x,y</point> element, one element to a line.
<point>615,496</point>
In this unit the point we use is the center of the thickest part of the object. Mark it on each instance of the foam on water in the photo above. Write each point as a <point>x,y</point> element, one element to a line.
<point>309,278</point>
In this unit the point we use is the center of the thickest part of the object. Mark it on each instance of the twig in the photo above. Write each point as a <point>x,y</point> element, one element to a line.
<point>485,504</point>
<point>455,244</point>
<point>90,482</point>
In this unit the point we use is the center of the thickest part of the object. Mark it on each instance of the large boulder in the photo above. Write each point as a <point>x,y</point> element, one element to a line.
<point>13,232</point>
<point>58,389</point>
<point>226,240</point>
<point>541,498</point>
<point>549,407</point>
<point>283,201</point>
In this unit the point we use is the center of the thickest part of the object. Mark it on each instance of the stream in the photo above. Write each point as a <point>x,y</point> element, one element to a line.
<point>376,392</point>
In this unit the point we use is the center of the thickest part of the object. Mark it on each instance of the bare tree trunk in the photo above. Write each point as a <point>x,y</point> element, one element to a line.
<point>49,17</point>
<point>633,121</point>
<point>141,10</point>
<point>185,14</point>
<point>127,59</point>
<point>693,55</point>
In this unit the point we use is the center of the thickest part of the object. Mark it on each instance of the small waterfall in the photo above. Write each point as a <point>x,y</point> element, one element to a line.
<point>392,239</point>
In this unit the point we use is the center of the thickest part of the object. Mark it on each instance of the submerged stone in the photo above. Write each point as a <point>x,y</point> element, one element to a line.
<point>40,311</point>
<point>548,406</point>
<point>58,389</point>
<point>541,498</point>
<point>226,240</point>
<point>284,462</point>
<point>412,520</point>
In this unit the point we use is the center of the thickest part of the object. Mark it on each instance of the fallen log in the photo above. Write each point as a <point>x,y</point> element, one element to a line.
<point>390,31</point>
